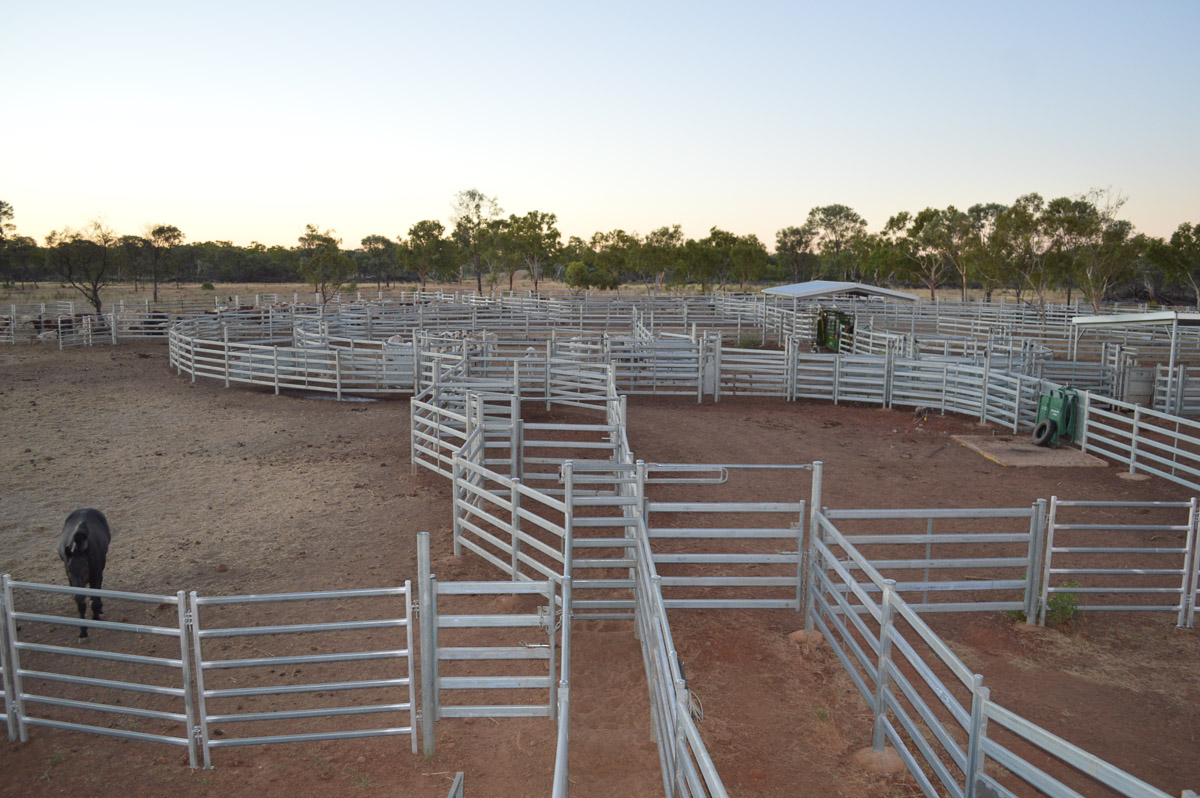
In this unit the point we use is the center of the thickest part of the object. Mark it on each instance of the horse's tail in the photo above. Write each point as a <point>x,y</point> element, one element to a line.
<point>79,541</point>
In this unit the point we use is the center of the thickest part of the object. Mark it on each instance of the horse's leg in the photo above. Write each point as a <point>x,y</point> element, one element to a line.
<point>97,602</point>
<point>81,603</point>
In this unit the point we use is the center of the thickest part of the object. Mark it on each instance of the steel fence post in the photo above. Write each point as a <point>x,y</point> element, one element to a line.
<point>568,516</point>
<point>1133,438</point>
<point>185,658</point>
<point>428,654</point>
<point>886,607</point>
<point>6,655</point>
<point>1189,587</point>
<point>976,758</point>
<point>813,531</point>
<point>515,500</point>
<point>201,697</point>
<point>1037,539</point>
<point>17,704</point>
<point>1047,558</point>
<point>456,480</point>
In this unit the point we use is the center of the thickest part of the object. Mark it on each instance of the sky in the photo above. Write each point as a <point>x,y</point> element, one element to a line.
<point>245,121</point>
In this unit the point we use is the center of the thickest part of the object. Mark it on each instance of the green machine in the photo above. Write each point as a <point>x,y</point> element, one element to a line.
<point>1055,417</point>
<point>830,325</point>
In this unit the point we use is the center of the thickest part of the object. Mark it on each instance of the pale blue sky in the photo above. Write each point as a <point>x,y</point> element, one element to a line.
<point>245,121</point>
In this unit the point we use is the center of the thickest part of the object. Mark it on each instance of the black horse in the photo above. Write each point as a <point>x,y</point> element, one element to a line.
<point>83,548</point>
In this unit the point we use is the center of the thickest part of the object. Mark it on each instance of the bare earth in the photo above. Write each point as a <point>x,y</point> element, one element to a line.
<point>239,491</point>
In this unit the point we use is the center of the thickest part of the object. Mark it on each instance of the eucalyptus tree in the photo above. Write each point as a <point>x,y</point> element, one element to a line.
<point>322,263</point>
<point>1027,244</point>
<point>131,253</point>
<point>534,239</point>
<point>379,255</point>
<point>84,259</point>
<point>748,260</point>
<point>834,228</point>
<point>918,242</point>
<point>1180,257</point>
<point>471,213</point>
<point>161,241</point>
<point>794,251</point>
<point>987,260</point>
<point>1107,247</point>
<point>662,252</point>
<point>427,251</point>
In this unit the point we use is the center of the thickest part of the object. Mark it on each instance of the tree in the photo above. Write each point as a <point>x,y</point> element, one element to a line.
<point>1105,248</point>
<point>379,253</point>
<point>748,259</point>
<point>1181,257</point>
<point>323,265</point>
<point>130,253</point>
<point>535,240</point>
<point>710,260</point>
<point>427,251</point>
<point>1027,245</point>
<point>794,249</point>
<point>953,235</point>
<point>497,252</point>
<point>589,275</point>
<point>84,259</point>
<point>6,226</point>
<point>985,253</point>
<point>917,240</point>
<point>470,214</point>
<point>834,228</point>
<point>162,239</point>
<point>662,251</point>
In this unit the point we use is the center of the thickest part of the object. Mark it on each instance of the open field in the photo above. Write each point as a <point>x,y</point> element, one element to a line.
<point>234,491</point>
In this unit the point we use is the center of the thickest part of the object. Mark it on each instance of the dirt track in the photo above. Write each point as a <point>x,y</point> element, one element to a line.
<point>230,491</point>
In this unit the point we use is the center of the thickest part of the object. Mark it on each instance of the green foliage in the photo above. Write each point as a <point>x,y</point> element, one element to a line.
<point>1062,607</point>
<point>326,267</point>
<point>349,287</point>
<point>583,275</point>
<point>749,341</point>
<point>207,287</point>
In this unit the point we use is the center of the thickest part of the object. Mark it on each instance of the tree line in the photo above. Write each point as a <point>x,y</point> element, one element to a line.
<point>1032,246</point>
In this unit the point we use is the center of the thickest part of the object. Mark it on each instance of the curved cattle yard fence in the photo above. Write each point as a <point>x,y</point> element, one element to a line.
<point>565,513</point>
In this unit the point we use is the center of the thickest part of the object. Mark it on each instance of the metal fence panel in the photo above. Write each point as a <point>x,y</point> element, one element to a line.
<point>153,690</point>
<point>388,671</point>
<point>1091,560</point>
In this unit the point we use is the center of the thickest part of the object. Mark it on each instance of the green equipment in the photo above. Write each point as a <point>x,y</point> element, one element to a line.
<point>830,325</point>
<point>1055,417</point>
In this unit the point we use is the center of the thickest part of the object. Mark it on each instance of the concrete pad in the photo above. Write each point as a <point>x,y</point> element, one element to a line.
<point>1019,451</point>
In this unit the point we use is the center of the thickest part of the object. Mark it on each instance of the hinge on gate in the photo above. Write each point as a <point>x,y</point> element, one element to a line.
<point>198,734</point>
<point>416,612</point>
<point>416,716</point>
<point>188,621</point>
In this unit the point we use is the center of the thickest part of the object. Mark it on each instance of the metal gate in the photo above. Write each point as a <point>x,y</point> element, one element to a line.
<point>490,640</point>
<point>381,688</point>
<point>1139,567</point>
<point>153,695</point>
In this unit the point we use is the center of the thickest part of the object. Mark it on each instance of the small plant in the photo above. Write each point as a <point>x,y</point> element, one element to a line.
<point>749,342</point>
<point>1062,607</point>
<point>1016,616</point>
<point>349,288</point>
<point>822,713</point>
<point>207,287</point>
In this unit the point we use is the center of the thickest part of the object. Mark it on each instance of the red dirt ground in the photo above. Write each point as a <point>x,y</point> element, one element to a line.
<point>289,493</point>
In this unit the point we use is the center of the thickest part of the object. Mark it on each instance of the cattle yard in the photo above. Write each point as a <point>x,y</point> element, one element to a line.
<point>593,459</point>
